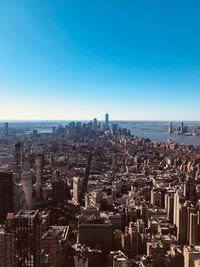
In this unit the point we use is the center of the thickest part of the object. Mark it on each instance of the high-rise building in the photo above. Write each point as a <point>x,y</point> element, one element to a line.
<point>6,131</point>
<point>182,225</point>
<point>133,231</point>
<point>176,208</point>
<point>96,233</point>
<point>95,121</point>
<point>58,188</point>
<point>182,127</point>
<point>27,185</point>
<point>54,243</point>
<point>170,130</point>
<point>6,192</point>
<point>77,186</point>
<point>156,197</point>
<point>169,205</point>
<point>18,156</point>
<point>107,119</point>
<point>193,237</point>
<point>39,174</point>
<point>6,248</point>
<point>27,230</point>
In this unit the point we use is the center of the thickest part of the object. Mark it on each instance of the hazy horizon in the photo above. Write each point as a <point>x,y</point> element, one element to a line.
<point>88,120</point>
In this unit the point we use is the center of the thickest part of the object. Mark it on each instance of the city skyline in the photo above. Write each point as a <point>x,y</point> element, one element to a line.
<point>71,60</point>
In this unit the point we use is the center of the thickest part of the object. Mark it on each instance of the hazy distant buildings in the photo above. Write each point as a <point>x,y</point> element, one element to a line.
<point>54,129</point>
<point>95,122</point>
<point>35,132</point>
<point>5,128</point>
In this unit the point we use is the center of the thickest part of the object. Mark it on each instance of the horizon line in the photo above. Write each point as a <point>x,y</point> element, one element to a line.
<point>100,120</point>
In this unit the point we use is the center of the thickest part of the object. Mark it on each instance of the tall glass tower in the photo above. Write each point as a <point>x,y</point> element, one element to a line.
<point>107,119</point>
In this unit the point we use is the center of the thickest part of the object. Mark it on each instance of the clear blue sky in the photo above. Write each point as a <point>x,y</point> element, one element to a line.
<point>76,59</point>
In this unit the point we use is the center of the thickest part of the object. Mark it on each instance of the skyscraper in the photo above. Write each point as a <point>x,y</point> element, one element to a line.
<point>6,248</point>
<point>182,225</point>
<point>182,127</point>
<point>193,231</point>
<point>39,173</point>
<point>77,181</point>
<point>6,193</point>
<point>170,130</point>
<point>27,185</point>
<point>19,156</point>
<point>27,232</point>
<point>107,119</point>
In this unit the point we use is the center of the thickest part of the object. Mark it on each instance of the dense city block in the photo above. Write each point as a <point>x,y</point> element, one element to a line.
<point>93,194</point>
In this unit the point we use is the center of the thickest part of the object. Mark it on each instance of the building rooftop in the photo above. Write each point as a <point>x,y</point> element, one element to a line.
<point>26,214</point>
<point>193,249</point>
<point>5,169</point>
<point>57,232</point>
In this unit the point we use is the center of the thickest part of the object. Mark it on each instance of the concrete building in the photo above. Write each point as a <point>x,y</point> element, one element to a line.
<point>27,232</point>
<point>197,263</point>
<point>96,233</point>
<point>118,259</point>
<point>6,248</point>
<point>133,231</point>
<point>80,261</point>
<point>156,198</point>
<point>27,185</point>
<point>18,156</point>
<point>39,174</point>
<point>193,232</point>
<point>182,225</point>
<point>18,197</point>
<point>54,243</point>
<point>169,205</point>
<point>77,185</point>
<point>6,192</point>
<point>191,253</point>
<point>58,188</point>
